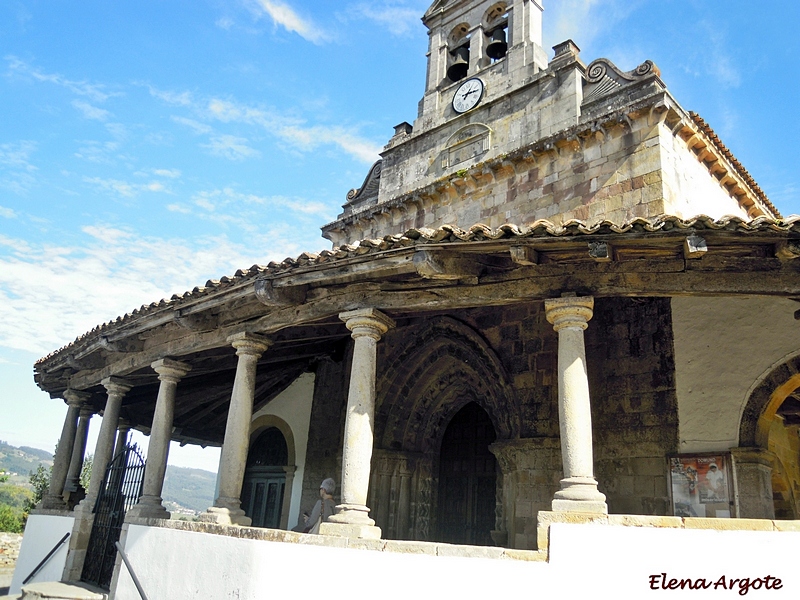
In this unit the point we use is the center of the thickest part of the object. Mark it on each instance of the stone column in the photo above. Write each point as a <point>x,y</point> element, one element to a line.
<point>84,515</point>
<point>752,469</point>
<point>117,388</point>
<point>123,429</point>
<point>54,499</point>
<point>150,504</point>
<point>352,515</point>
<point>227,507</point>
<point>78,451</point>
<point>570,316</point>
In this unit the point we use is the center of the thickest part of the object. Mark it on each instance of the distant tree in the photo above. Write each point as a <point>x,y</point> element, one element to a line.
<point>40,480</point>
<point>3,476</point>
<point>11,520</point>
<point>86,471</point>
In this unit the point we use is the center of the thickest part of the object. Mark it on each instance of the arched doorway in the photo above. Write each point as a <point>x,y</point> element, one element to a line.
<point>265,479</point>
<point>467,479</point>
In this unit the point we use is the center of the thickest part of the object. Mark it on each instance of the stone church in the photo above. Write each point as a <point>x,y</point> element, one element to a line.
<point>556,297</point>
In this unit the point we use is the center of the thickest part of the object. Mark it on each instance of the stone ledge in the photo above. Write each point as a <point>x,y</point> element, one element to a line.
<point>393,546</point>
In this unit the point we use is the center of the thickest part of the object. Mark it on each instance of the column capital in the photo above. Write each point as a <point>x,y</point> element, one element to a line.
<point>170,370</point>
<point>87,412</point>
<point>249,343</point>
<point>76,398</point>
<point>760,456</point>
<point>116,385</point>
<point>123,424</point>
<point>569,311</point>
<point>367,322</point>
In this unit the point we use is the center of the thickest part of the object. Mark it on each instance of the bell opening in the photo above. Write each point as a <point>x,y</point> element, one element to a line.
<point>460,65</point>
<point>497,47</point>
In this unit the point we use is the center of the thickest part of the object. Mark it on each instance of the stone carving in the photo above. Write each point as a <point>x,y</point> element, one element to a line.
<point>466,143</point>
<point>603,77</point>
<point>369,189</point>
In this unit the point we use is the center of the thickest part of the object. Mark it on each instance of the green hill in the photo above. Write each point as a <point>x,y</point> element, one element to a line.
<point>189,488</point>
<point>22,460</point>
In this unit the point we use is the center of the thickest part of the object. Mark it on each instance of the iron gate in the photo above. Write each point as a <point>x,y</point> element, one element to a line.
<point>121,490</point>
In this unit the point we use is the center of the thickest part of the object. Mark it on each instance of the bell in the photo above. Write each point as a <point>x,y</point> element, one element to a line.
<point>460,65</point>
<point>497,47</point>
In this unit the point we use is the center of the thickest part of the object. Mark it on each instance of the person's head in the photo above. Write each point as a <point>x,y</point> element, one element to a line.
<point>327,487</point>
<point>712,467</point>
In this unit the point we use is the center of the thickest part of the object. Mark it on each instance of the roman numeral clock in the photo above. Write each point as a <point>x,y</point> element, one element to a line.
<point>468,95</point>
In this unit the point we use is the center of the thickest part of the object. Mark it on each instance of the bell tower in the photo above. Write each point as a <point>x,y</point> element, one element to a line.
<point>498,40</point>
<point>504,137</point>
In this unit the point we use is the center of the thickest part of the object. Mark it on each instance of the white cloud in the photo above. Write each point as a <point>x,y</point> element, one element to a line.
<point>16,170</point>
<point>49,294</point>
<point>124,188</point>
<point>7,213</point>
<point>224,23</point>
<point>196,126</point>
<point>284,16</point>
<point>231,147</point>
<point>93,91</point>
<point>584,20</point>
<point>89,111</point>
<point>170,173</point>
<point>398,19</point>
<point>97,152</point>
<point>175,98</point>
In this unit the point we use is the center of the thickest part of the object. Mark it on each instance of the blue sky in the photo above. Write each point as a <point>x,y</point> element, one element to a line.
<point>146,147</point>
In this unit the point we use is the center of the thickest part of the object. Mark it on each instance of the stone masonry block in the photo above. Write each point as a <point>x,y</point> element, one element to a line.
<point>728,524</point>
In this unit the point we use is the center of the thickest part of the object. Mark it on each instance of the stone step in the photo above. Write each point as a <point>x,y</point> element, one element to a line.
<point>57,590</point>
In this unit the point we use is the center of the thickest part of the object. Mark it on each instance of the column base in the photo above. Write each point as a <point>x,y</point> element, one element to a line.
<point>352,514</point>
<point>52,503</point>
<point>225,516</point>
<point>580,494</point>
<point>350,530</point>
<point>149,507</point>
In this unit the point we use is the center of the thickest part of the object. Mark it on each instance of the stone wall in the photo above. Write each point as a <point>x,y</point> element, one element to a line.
<point>9,549</point>
<point>505,359</point>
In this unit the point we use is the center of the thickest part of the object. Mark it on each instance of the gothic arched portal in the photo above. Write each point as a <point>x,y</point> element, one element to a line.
<point>467,479</point>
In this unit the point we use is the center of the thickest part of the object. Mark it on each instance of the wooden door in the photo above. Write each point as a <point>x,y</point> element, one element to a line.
<point>467,479</point>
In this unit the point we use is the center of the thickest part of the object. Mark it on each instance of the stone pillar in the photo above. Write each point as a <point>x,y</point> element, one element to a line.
<point>78,452</point>
<point>54,499</point>
<point>123,429</point>
<point>752,470</point>
<point>84,515</point>
<point>117,388</point>
<point>352,515</point>
<point>570,316</point>
<point>227,507</point>
<point>150,504</point>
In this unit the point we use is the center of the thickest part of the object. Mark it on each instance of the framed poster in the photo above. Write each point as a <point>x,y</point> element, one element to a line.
<point>700,485</point>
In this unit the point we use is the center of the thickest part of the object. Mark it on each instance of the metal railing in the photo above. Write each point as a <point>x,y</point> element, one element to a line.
<point>46,558</point>
<point>130,570</point>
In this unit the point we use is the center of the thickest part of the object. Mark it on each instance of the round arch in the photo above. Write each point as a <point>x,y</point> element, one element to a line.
<point>263,422</point>
<point>764,400</point>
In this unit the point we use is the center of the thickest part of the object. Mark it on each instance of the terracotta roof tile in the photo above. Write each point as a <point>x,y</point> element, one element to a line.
<point>450,234</point>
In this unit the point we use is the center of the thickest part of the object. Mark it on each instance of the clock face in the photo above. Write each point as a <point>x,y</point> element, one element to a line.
<point>468,95</point>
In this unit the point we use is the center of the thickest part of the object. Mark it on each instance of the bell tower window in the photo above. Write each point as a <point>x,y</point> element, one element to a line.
<point>495,28</point>
<point>458,52</point>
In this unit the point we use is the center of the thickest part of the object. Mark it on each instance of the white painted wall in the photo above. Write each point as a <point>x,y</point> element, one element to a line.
<point>293,405</point>
<point>41,534</point>
<point>723,348</point>
<point>586,561</point>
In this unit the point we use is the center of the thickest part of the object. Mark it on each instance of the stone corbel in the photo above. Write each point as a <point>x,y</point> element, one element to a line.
<point>273,295</point>
<point>788,250</point>
<point>600,251</point>
<point>694,247</point>
<point>196,322</point>
<point>524,255</point>
<point>434,265</point>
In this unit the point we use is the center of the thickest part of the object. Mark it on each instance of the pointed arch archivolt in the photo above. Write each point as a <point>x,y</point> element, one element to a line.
<point>436,371</point>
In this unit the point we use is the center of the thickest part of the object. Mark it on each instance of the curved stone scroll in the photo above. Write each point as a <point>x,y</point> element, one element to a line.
<point>370,186</point>
<point>603,77</point>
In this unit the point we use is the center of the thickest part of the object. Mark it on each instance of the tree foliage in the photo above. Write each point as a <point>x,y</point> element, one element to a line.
<point>11,520</point>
